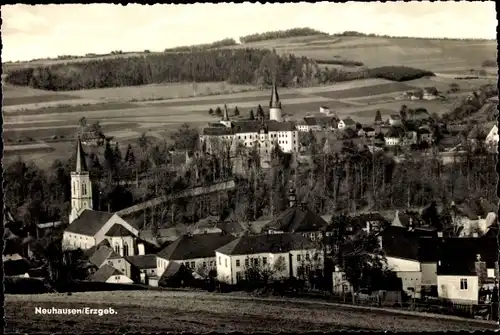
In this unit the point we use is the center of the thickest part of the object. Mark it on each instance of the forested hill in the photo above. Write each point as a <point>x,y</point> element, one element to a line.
<point>237,66</point>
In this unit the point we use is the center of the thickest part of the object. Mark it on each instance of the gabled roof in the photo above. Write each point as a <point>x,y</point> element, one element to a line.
<point>398,242</point>
<point>16,267</point>
<point>89,252</point>
<point>89,222</point>
<point>395,132</point>
<point>104,273</point>
<point>142,261</point>
<point>231,227</point>
<point>194,246</point>
<point>348,121</point>
<point>298,219</point>
<point>101,255</point>
<point>118,230</point>
<point>267,243</point>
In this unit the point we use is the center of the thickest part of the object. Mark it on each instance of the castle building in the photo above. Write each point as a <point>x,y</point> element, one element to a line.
<point>262,134</point>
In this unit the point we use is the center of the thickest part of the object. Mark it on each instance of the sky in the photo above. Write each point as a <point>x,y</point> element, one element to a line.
<point>40,31</point>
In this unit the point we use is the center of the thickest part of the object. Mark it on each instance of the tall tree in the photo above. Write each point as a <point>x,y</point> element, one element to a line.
<point>378,117</point>
<point>236,111</point>
<point>252,116</point>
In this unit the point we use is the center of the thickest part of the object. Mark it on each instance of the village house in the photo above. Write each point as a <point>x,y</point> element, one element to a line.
<point>346,123</point>
<point>467,269</point>
<point>394,136</point>
<point>146,266</point>
<point>410,138</point>
<point>367,132</point>
<point>196,252</point>
<point>283,255</point>
<point>108,274</point>
<point>297,219</point>
<point>492,138</point>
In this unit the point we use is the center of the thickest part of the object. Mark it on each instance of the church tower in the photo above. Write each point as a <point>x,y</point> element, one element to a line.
<point>275,105</point>
<point>225,119</point>
<point>81,187</point>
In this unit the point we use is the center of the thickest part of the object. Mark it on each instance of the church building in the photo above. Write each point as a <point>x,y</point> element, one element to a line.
<point>87,227</point>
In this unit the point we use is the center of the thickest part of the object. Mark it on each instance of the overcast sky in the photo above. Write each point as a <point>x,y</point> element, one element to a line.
<point>40,31</point>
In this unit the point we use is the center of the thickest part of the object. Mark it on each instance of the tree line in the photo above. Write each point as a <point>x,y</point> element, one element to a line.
<point>243,66</point>
<point>271,35</point>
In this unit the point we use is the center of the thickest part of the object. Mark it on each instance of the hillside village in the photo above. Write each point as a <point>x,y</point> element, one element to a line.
<point>422,252</point>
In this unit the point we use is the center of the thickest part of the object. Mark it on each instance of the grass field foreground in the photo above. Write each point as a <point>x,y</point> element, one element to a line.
<point>204,312</point>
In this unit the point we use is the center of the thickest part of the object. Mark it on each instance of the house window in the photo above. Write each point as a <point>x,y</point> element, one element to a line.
<point>237,263</point>
<point>204,264</point>
<point>211,263</point>
<point>84,189</point>
<point>125,249</point>
<point>246,262</point>
<point>117,249</point>
<point>225,262</point>
<point>192,265</point>
<point>117,277</point>
<point>220,263</point>
<point>264,260</point>
<point>463,284</point>
<point>307,257</point>
<point>110,263</point>
<point>298,258</point>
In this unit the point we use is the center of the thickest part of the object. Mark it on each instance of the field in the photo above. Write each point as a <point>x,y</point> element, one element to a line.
<point>159,109</point>
<point>200,312</point>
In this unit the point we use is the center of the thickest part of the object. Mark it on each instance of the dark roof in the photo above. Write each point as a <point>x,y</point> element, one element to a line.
<point>195,246</point>
<point>89,222</point>
<point>405,217</point>
<point>395,132</point>
<point>267,243</point>
<point>275,99</point>
<point>171,269</point>
<point>362,219</point>
<point>250,126</point>
<point>298,219</point>
<point>348,121</point>
<point>400,243</point>
<point>101,255</point>
<point>319,120</point>
<point>104,273</point>
<point>118,230</point>
<point>89,252</point>
<point>231,227</point>
<point>142,261</point>
<point>81,164</point>
<point>16,267</point>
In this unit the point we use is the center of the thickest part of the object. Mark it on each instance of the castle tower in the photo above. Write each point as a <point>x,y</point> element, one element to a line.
<point>225,119</point>
<point>81,187</point>
<point>275,105</point>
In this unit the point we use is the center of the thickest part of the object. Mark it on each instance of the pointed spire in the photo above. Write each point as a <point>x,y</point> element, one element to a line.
<point>81,165</point>
<point>275,99</point>
<point>226,114</point>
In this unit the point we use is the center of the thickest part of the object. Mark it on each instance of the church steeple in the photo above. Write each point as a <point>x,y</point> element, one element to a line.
<point>275,105</point>
<point>275,99</point>
<point>81,165</point>
<point>81,187</point>
<point>226,114</point>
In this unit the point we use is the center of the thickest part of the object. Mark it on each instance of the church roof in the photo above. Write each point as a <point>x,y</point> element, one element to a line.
<point>101,255</point>
<point>118,230</point>
<point>89,222</point>
<point>81,164</point>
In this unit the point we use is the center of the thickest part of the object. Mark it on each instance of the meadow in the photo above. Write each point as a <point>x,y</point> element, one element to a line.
<point>159,109</point>
<point>201,312</point>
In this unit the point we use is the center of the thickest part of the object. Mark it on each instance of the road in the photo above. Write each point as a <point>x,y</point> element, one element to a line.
<point>151,311</point>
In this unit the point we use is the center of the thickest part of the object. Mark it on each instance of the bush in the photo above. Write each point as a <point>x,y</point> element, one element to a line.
<point>398,73</point>
<point>344,62</point>
<point>489,63</point>
<point>18,285</point>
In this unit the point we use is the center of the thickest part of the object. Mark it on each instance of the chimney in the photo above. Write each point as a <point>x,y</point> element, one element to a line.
<point>140,249</point>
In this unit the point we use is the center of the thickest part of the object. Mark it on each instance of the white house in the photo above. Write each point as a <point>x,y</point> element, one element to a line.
<point>347,123</point>
<point>283,255</point>
<point>108,274</point>
<point>394,136</point>
<point>492,137</point>
<point>196,252</point>
<point>459,288</point>
<point>395,120</point>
